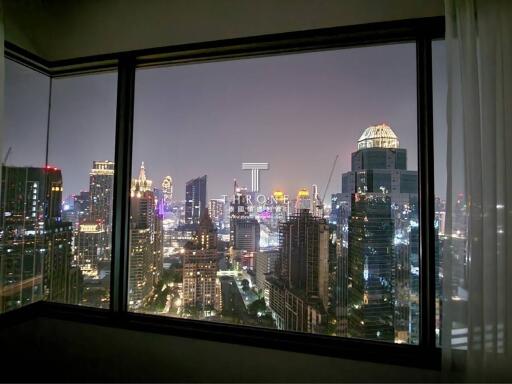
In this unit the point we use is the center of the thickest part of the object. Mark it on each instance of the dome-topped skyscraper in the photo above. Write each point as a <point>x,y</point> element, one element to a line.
<point>378,136</point>
<point>377,224</point>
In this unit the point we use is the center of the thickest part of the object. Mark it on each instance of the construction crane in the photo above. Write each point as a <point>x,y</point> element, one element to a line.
<point>320,204</point>
<point>7,155</point>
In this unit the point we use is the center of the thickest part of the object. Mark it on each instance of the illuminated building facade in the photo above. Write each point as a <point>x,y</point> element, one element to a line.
<point>89,248</point>
<point>370,268</point>
<point>146,239</point>
<point>217,207</point>
<point>245,234</point>
<point>201,288</point>
<point>101,187</point>
<point>167,191</point>
<point>240,204</point>
<point>376,216</point>
<point>35,244</point>
<point>195,199</point>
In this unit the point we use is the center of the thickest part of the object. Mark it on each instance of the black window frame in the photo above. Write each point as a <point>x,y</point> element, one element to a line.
<point>420,31</point>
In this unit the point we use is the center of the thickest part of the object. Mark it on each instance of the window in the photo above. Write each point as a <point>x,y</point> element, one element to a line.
<point>22,246</point>
<point>81,144</point>
<point>57,183</point>
<point>280,192</point>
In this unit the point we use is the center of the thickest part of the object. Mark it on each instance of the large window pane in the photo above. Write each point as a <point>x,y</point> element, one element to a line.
<point>23,192</point>
<point>81,148</point>
<point>235,216</point>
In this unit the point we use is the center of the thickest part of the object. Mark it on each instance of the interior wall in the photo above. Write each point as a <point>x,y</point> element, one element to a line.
<point>56,29</point>
<point>56,350</point>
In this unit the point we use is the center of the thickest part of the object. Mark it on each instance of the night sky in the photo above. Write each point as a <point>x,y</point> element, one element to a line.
<point>295,112</point>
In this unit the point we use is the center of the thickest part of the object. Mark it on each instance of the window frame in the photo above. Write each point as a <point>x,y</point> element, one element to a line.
<point>420,31</point>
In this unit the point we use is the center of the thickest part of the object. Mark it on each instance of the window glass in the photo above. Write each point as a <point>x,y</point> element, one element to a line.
<point>280,192</point>
<point>80,155</point>
<point>26,197</point>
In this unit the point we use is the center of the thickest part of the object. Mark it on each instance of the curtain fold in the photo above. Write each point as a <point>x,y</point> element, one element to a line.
<point>477,284</point>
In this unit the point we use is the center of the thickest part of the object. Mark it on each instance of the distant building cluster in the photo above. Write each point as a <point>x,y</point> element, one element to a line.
<point>286,261</point>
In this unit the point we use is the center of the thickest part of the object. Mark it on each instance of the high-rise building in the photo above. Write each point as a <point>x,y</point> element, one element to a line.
<point>370,268</point>
<point>264,266</point>
<point>299,291</point>
<point>35,247</point>
<point>89,248</point>
<point>195,199</point>
<point>146,239</point>
<point>81,205</point>
<point>216,207</point>
<point>245,234</point>
<point>101,187</point>
<point>240,204</point>
<point>376,216</point>
<point>167,190</point>
<point>201,288</point>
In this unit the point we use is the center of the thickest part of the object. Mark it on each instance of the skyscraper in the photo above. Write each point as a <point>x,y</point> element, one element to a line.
<point>35,247</point>
<point>299,288</point>
<point>370,268</point>
<point>245,234</point>
<point>146,244</point>
<point>195,199</point>
<point>89,241</point>
<point>201,288</point>
<point>101,187</point>
<point>167,190</point>
<point>378,241</point>
<point>216,207</point>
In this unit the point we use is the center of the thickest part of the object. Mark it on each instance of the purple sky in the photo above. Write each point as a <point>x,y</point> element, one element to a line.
<point>294,111</point>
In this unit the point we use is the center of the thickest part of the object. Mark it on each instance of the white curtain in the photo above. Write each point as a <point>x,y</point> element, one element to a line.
<point>477,255</point>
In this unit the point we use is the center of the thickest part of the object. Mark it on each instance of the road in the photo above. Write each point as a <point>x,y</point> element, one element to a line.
<point>232,302</point>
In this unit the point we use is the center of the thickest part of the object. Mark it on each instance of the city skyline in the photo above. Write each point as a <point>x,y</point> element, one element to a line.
<point>75,103</point>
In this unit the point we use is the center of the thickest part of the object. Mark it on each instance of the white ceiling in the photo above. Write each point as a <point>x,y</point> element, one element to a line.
<point>60,29</point>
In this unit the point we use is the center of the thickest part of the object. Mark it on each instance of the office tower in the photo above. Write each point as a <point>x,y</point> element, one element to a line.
<point>377,219</point>
<point>35,249</point>
<point>216,207</point>
<point>298,290</point>
<point>101,187</point>
<point>81,206</point>
<point>89,248</point>
<point>245,234</point>
<point>58,260</point>
<point>195,199</point>
<point>201,288</point>
<point>370,268</point>
<point>167,190</point>
<point>335,213</point>
<point>146,239</point>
